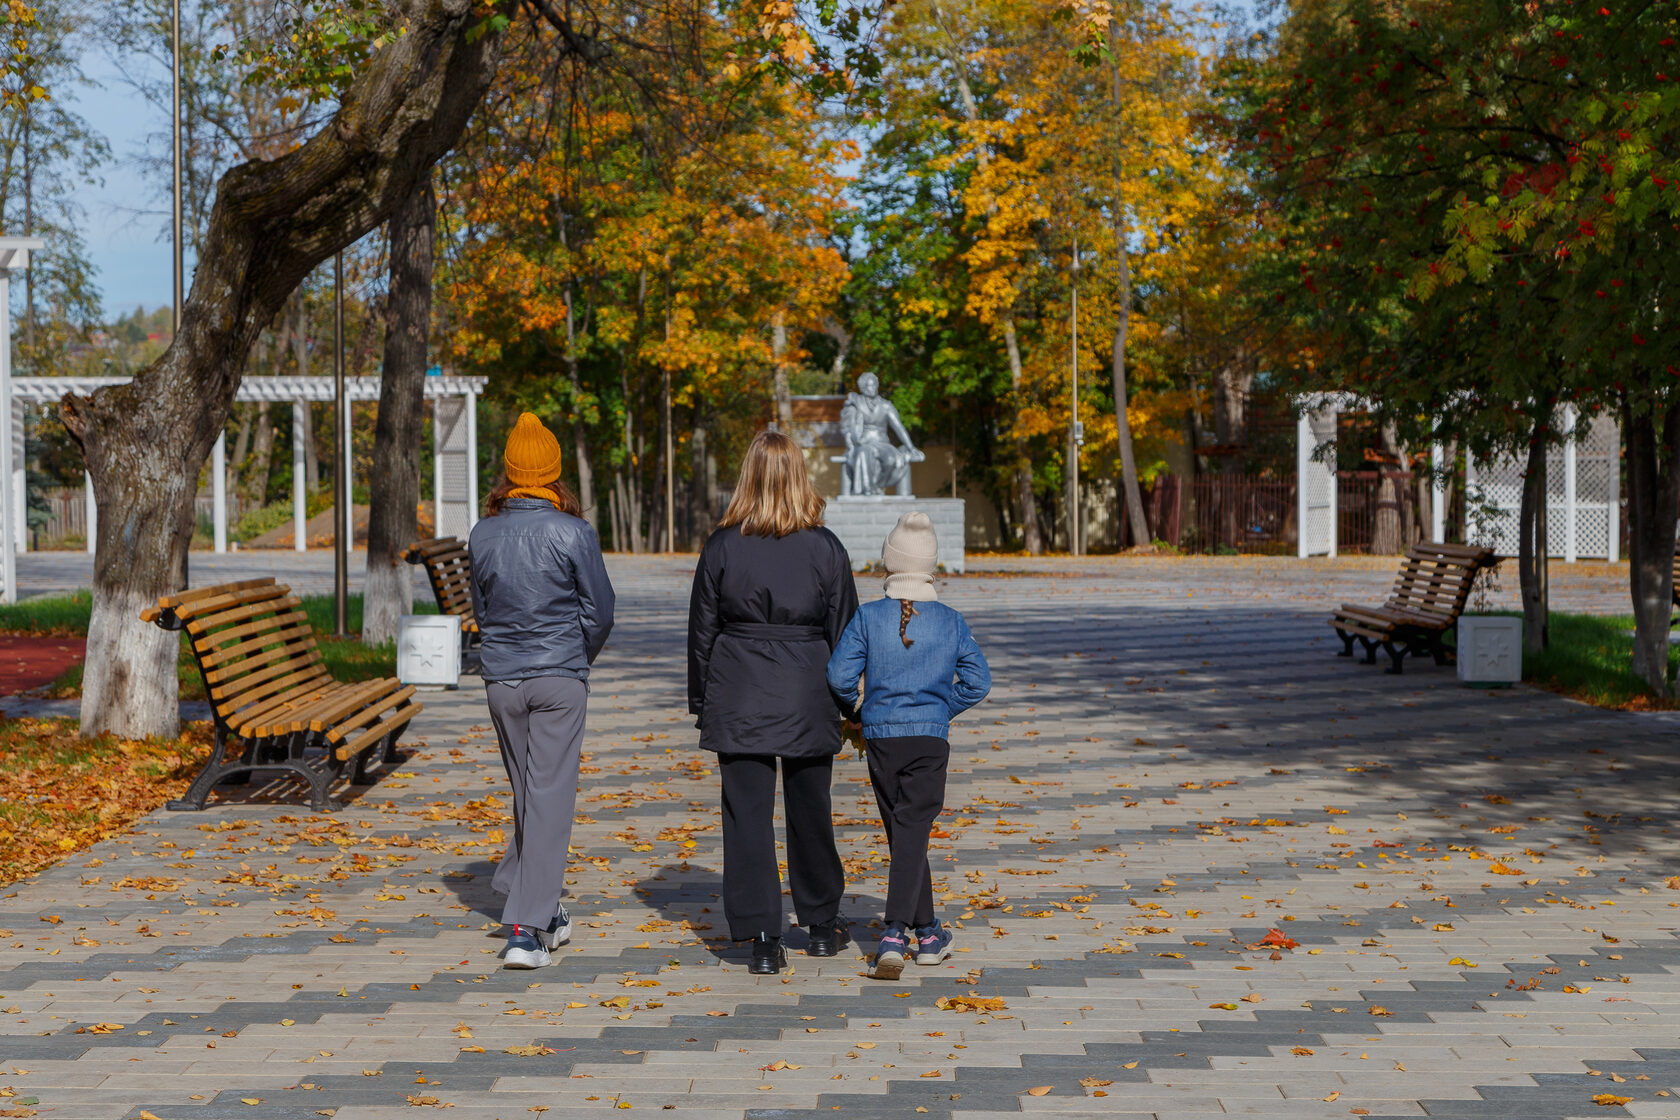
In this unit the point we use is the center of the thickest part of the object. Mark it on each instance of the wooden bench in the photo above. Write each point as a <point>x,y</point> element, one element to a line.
<point>272,695</point>
<point>449,570</point>
<point>1429,594</point>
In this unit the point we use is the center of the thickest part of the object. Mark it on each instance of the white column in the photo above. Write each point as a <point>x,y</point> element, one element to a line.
<point>1437,493</point>
<point>92,513</point>
<point>437,467</point>
<point>1569,511</point>
<point>8,543</point>
<point>1315,482</point>
<point>472,459</point>
<point>300,497</point>
<point>1613,503</point>
<point>20,478</point>
<point>218,492</point>
<point>1303,463</point>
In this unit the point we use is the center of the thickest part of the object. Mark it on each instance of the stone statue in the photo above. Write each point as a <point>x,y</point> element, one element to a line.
<point>869,421</point>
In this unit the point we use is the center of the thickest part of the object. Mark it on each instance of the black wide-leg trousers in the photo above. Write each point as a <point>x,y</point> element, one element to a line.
<point>908,773</point>
<point>752,887</point>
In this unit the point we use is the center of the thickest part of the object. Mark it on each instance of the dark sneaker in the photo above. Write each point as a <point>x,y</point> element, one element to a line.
<point>768,956</point>
<point>559,929</point>
<point>890,954</point>
<point>828,938</point>
<point>524,950</point>
<point>933,944</point>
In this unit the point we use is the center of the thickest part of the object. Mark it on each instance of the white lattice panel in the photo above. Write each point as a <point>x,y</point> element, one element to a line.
<point>1582,493</point>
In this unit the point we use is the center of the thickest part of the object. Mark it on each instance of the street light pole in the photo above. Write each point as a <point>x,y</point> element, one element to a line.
<point>175,114</point>
<point>1077,432</point>
<point>180,248</point>
<point>341,461</point>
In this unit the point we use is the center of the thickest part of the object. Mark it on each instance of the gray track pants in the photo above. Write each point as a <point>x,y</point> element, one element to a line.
<point>539,723</point>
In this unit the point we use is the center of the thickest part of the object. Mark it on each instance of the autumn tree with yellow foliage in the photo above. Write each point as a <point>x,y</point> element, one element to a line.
<point>1011,132</point>
<point>644,279</point>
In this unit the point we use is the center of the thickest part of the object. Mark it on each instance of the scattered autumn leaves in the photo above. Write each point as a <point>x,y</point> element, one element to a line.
<point>60,793</point>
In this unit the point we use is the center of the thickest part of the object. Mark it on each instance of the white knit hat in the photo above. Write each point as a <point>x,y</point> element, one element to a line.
<point>910,554</point>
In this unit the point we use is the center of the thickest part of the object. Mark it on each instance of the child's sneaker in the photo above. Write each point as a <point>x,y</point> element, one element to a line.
<point>524,950</point>
<point>890,954</point>
<point>559,929</point>
<point>933,944</point>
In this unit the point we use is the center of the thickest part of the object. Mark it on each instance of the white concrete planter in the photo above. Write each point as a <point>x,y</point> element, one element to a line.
<point>1489,650</point>
<point>429,650</point>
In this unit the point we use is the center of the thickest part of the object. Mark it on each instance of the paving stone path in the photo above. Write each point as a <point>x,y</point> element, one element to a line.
<point>1474,893</point>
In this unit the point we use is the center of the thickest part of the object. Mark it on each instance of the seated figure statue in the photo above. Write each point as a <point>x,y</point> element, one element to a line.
<point>869,421</point>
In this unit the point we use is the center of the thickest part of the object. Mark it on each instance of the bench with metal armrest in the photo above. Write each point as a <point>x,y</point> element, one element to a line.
<point>275,704</point>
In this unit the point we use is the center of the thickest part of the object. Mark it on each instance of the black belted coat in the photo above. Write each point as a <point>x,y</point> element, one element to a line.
<point>764,616</point>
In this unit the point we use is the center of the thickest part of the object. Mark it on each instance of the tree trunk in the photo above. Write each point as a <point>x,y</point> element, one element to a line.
<point>1123,321</point>
<point>241,445</point>
<point>778,359</point>
<point>701,482</point>
<point>262,457</point>
<point>1532,560</point>
<point>273,222</point>
<point>297,328</point>
<point>394,483</point>
<point>1032,536</point>
<point>1653,471</point>
<point>580,434</point>
<point>1032,533</point>
<point>1388,532</point>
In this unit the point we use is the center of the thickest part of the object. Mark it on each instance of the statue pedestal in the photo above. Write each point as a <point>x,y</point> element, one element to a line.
<point>862,524</point>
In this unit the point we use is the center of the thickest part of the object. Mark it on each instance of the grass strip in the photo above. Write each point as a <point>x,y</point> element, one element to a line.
<point>67,616</point>
<point>1590,658</point>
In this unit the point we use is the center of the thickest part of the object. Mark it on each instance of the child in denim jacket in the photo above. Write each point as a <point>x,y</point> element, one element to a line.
<point>920,667</point>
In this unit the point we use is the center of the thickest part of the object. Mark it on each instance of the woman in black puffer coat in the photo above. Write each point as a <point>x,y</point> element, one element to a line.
<point>772,594</point>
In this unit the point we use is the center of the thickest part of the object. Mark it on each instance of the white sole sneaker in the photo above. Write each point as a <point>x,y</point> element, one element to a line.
<point>525,958</point>
<point>888,966</point>
<point>926,958</point>
<point>558,936</point>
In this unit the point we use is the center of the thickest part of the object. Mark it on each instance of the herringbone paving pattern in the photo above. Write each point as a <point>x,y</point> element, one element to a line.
<point>1477,886</point>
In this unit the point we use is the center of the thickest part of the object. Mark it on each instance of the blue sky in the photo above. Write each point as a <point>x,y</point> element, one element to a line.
<point>123,217</point>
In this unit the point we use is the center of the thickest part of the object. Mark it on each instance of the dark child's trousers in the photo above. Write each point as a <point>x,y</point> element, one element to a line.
<point>752,887</point>
<point>908,774</point>
<point>539,724</point>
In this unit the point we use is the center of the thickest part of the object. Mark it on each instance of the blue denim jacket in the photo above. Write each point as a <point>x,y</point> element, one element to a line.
<point>913,690</point>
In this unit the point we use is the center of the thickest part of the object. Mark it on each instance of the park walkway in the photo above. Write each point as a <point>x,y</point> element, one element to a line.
<point>1475,891</point>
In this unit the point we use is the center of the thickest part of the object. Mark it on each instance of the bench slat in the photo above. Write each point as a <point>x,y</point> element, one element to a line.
<point>345,726</point>
<point>397,720</point>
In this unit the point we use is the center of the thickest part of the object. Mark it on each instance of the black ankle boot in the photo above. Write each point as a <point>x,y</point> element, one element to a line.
<point>828,938</point>
<point>768,956</point>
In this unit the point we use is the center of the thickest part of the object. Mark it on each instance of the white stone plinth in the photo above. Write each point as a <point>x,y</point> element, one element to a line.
<point>1489,649</point>
<point>862,524</point>
<point>429,650</point>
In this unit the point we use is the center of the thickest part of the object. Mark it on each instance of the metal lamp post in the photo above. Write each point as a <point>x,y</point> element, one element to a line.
<point>1076,434</point>
<point>14,257</point>
<point>341,462</point>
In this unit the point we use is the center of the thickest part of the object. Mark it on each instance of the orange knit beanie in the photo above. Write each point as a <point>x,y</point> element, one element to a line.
<point>532,457</point>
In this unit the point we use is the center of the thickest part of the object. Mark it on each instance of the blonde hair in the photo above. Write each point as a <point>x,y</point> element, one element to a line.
<point>774,496</point>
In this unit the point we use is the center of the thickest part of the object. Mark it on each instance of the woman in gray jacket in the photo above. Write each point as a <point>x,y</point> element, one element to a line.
<point>544,607</point>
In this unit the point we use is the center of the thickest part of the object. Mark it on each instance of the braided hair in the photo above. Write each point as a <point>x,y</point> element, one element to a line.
<point>906,609</point>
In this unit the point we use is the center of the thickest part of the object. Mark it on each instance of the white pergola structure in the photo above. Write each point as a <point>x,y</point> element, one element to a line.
<point>1582,481</point>
<point>14,257</point>
<point>454,444</point>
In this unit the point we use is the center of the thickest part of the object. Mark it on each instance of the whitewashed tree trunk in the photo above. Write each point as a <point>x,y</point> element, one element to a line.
<point>273,221</point>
